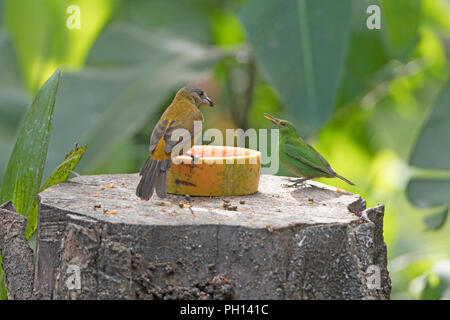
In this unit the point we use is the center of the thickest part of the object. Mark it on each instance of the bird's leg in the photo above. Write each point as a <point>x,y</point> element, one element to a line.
<point>193,159</point>
<point>296,182</point>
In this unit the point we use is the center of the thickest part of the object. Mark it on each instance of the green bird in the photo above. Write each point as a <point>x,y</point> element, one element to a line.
<point>299,157</point>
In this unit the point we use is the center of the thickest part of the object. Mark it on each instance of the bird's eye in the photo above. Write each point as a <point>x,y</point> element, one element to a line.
<point>283,124</point>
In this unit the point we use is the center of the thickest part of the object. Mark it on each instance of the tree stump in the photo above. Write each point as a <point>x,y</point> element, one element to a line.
<point>97,240</point>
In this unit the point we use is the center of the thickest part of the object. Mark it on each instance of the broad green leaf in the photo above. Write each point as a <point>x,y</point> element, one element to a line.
<point>13,99</point>
<point>432,151</point>
<point>185,18</point>
<point>366,55</point>
<point>400,23</point>
<point>437,220</point>
<point>23,176</point>
<point>60,174</point>
<point>428,193</point>
<point>369,60</point>
<point>300,46</point>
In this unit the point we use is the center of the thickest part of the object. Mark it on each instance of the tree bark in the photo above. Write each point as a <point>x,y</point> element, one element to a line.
<point>17,256</point>
<point>97,240</point>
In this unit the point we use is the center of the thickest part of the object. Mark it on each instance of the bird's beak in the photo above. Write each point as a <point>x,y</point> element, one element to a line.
<point>272,119</point>
<point>208,101</point>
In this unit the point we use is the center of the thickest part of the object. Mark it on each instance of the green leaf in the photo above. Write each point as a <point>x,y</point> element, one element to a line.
<point>401,25</point>
<point>13,99</point>
<point>371,52</point>
<point>24,172</point>
<point>366,55</point>
<point>437,220</point>
<point>60,174</point>
<point>185,18</point>
<point>432,151</point>
<point>63,171</point>
<point>300,46</point>
<point>42,39</point>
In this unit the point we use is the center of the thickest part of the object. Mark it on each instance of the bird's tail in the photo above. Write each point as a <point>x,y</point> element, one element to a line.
<point>153,176</point>
<point>342,178</point>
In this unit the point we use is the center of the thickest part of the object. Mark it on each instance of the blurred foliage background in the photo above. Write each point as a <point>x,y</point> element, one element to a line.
<point>375,103</point>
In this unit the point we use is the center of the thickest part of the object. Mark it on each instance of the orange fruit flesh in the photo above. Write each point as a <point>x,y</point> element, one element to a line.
<point>217,171</point>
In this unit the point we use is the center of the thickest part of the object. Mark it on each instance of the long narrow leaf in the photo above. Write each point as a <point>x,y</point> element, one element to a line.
<point>23,175</point>
<point>60,174</point>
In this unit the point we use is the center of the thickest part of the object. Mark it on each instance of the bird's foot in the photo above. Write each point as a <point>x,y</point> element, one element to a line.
<point>296,182</point>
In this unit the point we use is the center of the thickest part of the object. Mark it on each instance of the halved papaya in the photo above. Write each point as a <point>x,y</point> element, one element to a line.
<point>217,171</point>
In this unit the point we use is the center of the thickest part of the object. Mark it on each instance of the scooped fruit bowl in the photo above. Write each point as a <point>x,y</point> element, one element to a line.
<point>217,171</point>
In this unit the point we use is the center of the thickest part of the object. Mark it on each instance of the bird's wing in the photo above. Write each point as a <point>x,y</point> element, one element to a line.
<point>157,134</point>
<point>307,155</point>
<point>185,136</point>
<point>164,130</point>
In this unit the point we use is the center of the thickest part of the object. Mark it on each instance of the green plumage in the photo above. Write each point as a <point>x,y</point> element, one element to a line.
<point>298,156</point>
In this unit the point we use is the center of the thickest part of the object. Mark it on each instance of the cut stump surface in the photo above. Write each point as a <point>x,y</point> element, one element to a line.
<point>97,240</point>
